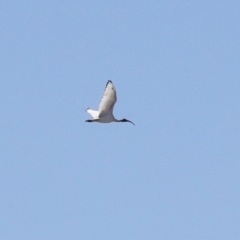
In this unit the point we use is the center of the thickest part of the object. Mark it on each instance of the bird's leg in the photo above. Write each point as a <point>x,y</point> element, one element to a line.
<point>91,120</point>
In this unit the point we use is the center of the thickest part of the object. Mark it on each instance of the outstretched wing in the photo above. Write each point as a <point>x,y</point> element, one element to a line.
<point>108,100</point>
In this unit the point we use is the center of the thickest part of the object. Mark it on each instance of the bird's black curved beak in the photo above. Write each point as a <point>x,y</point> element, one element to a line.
<point>131,122</point>
<point>125,120</point>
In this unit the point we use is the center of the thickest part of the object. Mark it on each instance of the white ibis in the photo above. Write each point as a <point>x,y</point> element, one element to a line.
<point>105,112</point>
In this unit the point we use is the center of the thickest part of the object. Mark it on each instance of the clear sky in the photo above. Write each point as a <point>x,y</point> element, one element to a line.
<point>176,68</point>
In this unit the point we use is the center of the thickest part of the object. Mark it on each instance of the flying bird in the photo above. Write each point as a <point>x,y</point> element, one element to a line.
<point>105,111</point>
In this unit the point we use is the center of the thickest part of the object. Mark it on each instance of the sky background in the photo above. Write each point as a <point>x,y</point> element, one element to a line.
<point>176,68</point>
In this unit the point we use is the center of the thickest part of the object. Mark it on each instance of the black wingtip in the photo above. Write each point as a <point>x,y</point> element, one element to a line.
<point>109,81</point>
<point>87,109</point>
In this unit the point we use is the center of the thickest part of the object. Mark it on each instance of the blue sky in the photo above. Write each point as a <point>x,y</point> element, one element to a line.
<point>176,68</point>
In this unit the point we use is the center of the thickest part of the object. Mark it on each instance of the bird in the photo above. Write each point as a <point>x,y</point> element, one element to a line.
<point>105,111</point>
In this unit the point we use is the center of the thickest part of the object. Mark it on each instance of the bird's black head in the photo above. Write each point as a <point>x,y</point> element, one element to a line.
<point>125,120</point>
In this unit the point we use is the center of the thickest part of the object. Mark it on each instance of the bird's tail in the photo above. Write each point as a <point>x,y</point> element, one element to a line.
<point>93,113</point>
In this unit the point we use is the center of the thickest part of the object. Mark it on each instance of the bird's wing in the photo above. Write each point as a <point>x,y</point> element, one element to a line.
<point>108,100</point>
<point>93,113</point>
